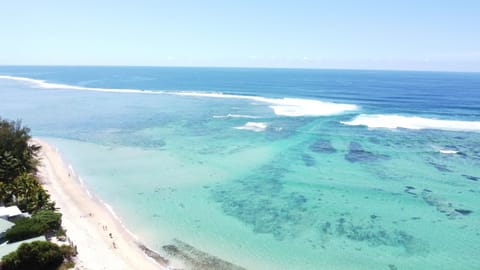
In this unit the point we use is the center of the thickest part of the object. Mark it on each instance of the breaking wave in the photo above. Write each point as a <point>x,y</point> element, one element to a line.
<point>235,116</point>
<point>254,126</point>
<point>412,122</point>
<point>293,107</point>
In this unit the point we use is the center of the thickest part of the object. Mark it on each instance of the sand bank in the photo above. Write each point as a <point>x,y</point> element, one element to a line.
<point>101,241</point>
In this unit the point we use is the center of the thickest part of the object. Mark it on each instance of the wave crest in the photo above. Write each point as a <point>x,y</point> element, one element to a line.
<point>412,122</point>
<point>235,116</point>
<point>293,107</point>
<point>254,126</point>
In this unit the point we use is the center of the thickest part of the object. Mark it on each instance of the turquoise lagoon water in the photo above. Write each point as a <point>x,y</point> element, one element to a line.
<point>354,170</point>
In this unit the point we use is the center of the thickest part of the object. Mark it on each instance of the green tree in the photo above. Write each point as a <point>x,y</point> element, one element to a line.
<point>38,255</point>
<point>26,192</point>
<point>42,222</point>
<point>25,228</point>
<point>29,194</point>
<point>68,252</point>
<point>16,155</point>
<point>51,218</point>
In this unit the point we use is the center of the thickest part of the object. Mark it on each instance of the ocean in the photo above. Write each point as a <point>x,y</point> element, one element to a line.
<point>271,168</point>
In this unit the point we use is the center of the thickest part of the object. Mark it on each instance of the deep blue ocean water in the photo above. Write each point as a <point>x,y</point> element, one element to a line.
<point>271,168</point>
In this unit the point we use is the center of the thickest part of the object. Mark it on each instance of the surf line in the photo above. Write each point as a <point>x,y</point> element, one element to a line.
<point>293,107</point>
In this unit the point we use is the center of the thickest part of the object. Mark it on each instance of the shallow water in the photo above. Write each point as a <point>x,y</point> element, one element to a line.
<point>192,178</point>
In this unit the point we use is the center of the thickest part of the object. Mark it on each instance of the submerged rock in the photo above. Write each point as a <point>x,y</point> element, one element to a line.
<point>409,190</point>
<point>197,259</point>
<point>322,146</point>
<point>464,211</point>
<point>261,202</point>
<point>373,234</point>
<point>444,206</point>
<point>440,167</point>
<point>308,160</point>
<point>471,178</point>
<point>356,153</point>
<point>392,267</point>
<point>154,255</point>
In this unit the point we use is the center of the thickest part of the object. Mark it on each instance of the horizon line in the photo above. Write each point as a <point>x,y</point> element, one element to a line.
<point>243,67</point>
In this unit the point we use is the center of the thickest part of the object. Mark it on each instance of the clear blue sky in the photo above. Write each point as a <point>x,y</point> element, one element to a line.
<point>378,34</point>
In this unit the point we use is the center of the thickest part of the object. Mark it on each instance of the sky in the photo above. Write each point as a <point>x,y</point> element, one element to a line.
<point>367,34</point>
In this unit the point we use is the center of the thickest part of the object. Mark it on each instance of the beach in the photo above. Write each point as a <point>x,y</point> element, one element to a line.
<point>101,240</point>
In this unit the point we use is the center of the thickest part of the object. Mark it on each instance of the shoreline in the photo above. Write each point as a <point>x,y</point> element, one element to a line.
<point>101,239</point>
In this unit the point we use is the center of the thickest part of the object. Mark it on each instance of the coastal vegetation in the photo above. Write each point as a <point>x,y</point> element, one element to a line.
<point>20,186</point>
<point>40,255</point>
<point>42,222</point>
<point>17,156</point>
<point>26,192</point>
<point>18,165</point>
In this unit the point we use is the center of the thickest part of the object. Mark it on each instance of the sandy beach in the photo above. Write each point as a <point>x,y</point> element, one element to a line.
<point>101,240</point>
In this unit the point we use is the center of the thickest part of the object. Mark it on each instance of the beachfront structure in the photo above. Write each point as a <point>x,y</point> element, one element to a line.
<point>11,212</point>
<point>4,226</point>
<point>7,248</point>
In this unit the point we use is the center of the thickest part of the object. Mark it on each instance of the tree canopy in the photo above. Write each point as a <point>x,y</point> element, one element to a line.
<point>18,161</point>
<point>42,222</point>
<point>16,155</point>
<point>20,186</point>
<point>38,255</point>
<point>25,228</point>
<point>26,192</point>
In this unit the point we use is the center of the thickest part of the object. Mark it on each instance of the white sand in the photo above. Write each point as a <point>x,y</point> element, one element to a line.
<point>87,221</point>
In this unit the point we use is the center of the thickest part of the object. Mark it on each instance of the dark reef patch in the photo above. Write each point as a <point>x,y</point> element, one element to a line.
<point>463,211</point>
<point>373,234</point>
<point>392,267</point>
<point>154,255</point>
<point>440,167</point>
<point>264,203</point>
<point>356,153</point>
<point>279,215</point>
<point>441,204</point>
<point>197,259</point>
<point>308,160</point>
<point>444,206</point>
<point>322,146</point>
<point>471,178</point>
<point>410,190</point>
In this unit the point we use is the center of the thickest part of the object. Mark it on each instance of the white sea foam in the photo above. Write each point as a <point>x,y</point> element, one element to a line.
<point>48,85</point>
<point>307,107</point>
<point>254,126</point>
<point>110,209</point>
<point>447,151</point>
<point>280,106</point>
<point>88,193</point>
<point>286,106</point>
<point>72,172</point>
<point>81,181</point>
<point>412,122</point>
<point>236,116</point>
<point>130,233</point>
